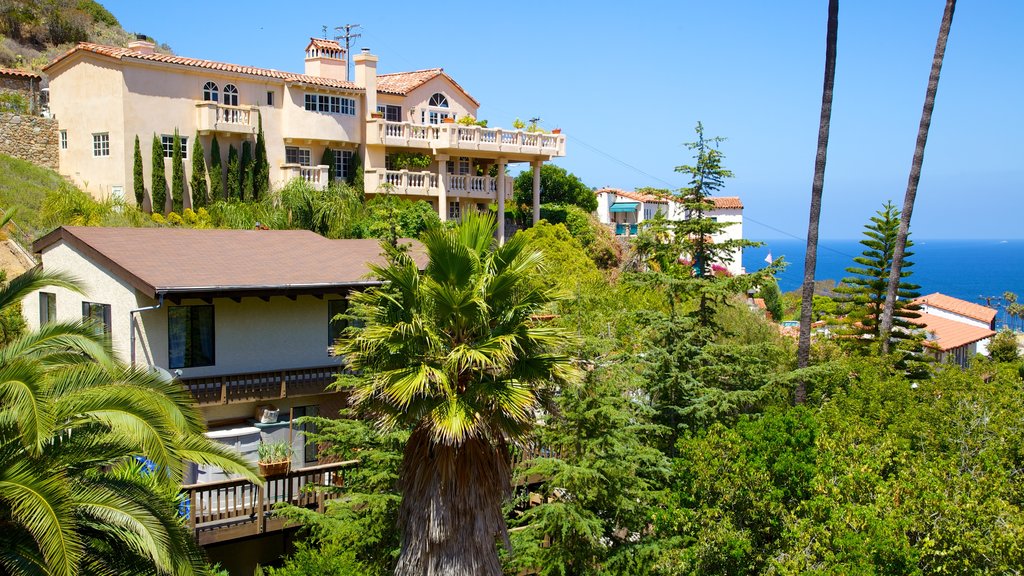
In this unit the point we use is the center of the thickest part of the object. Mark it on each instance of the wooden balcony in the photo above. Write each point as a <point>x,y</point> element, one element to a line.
<point>256,386</point>
<point>231,509</point>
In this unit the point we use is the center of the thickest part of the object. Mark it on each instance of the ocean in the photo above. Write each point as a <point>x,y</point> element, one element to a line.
<point>967,269</point>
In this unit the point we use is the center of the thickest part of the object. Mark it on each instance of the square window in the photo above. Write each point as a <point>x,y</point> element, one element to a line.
<point>342,162</point>
<point>99,314</point>
<point>453,210</point>
<point>47,307</point>
<point>348,106</point>
<point>335,326</point>
<point>167,140</point>
<point>300,156</point>
<point>190,336</point>
<point>311,102</point>
<point>101,144</point>
<point>63,139</point>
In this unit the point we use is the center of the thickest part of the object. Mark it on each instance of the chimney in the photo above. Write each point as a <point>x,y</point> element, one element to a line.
<point>141,45</point>
<point>326,59</point>
<point>366,78</point>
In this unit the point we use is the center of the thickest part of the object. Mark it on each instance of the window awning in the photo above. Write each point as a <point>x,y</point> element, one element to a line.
<point>624,207</point>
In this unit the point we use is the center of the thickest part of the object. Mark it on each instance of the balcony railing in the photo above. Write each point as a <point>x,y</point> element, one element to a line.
<point>316,176</point>
<point>214,117</point>
<point>254,386</point>
<point>460,137</point>
<point>229,509</point>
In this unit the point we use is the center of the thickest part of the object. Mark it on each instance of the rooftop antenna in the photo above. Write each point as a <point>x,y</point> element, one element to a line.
<point>348,37</point>
<point>324,28</point>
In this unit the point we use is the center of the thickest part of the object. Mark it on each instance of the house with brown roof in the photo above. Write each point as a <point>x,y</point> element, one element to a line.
<point>625,210</point>
<point>245,319</point>
<point>105,96</point>
<point>955,329</point>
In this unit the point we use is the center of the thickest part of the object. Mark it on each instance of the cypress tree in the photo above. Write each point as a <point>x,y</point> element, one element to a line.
<point>177,176</point>
<point>200,193</point>
<point>216,172</point>
<point>245,174</point>
<point>139,184</point>
<point>158,189</point>
<point>261,186</point>
<point>328,160</point>
<point>234,191</point>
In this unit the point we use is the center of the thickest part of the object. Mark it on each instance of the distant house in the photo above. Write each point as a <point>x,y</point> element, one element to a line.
<point>956,329</point>
<point>24,86</point>
<point>243,318</point>
<point>625,210</point>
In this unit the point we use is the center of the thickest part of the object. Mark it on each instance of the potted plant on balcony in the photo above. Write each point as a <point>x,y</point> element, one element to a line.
<point>376,115</point>
<point>274,458</point>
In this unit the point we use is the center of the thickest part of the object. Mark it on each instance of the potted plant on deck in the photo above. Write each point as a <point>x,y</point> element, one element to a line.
<point>275,458</point>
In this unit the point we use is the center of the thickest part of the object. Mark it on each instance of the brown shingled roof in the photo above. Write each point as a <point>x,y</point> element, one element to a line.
<point>958,306</point>
<point>950,334</point>
<point>197,262</point>
<point>20,73</point>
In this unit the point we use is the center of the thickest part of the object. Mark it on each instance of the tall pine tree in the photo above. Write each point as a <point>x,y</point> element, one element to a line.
<point>261,184</point>
<point>158,190</point>
<point>200,193</point>
<point>216,172</point>
<point>138,180</point>
<point>234,191</point>
<point>177,175</point>
<point>245,174</point>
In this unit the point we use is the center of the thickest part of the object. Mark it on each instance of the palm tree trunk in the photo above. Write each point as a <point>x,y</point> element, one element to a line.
<point>450,516</point>
<point>915,175</point>
<point>811,257</point>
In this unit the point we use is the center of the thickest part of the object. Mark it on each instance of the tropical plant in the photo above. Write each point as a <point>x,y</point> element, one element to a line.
<point>895,275</point>
<point>271,452</point>
<point>75,424</point>
<point>1004,346</point>
<point>803,353</point>
<point>456,356</point>
<point>197,185</point>
<point>158,190</point>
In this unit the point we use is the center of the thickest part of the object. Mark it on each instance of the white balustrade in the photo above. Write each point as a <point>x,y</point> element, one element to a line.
<point>469,137</point>
<point>233,115</point>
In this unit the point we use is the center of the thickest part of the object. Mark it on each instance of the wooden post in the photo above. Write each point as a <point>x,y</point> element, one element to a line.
<point>192,510</point>
<point>284,384</point>
<point>223,390</point>
<point>260,506</point>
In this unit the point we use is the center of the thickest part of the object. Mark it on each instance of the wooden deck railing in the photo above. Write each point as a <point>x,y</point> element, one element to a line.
<point>252,386</point>
<point>230,509</point>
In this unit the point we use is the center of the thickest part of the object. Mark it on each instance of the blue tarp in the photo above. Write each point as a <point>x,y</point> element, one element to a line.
<point>624,207</point>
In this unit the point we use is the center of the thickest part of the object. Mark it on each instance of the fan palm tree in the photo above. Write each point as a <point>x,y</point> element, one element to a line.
<point>74,424</point>
<point>915,174</point>
<point>455,355</point>
<point>803,354</point>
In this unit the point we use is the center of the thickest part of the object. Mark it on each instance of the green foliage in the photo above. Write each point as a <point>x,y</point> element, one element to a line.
<point>97,12</point>
<point>68,205</point>
<point>261,169</point>
<point>245,172</point>
<point>272,452</point>
<point>409,161</point>
<point>334,212</point>
<point>234,184</point>
<point>138,179</point>
<point>327,159</point>
<point>197,184</point>
<point>391,218</point>
<point>355,172</point>
<point>177,176</point>
<point>158,188</point>
<point>1004,346</point>
<point>596,238</point>
<point>772,299</point>
<point>557,186</point>
<point>13,102</point>
<point>574,268</point>
<point>469,120</point>
<point>216,172</point>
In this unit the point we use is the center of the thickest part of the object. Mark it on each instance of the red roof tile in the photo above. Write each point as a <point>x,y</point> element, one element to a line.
<point>324,43</point>
<point>950,334</point>
<point>19,73</point>
<point>721,202</point>
<point>958,306</point>
<point>404,82</point>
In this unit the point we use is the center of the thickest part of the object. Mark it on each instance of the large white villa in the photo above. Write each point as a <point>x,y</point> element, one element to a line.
<point>105,96</point>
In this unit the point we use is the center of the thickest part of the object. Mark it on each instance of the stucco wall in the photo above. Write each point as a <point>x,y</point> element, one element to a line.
<point>30,138</point>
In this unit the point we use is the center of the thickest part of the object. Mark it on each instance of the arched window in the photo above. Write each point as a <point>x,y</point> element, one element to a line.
<point>230,95</point>
<point>210,93</point>
<point>438,100</point>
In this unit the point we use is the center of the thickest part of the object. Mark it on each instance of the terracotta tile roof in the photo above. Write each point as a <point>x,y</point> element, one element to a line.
<point>404,82</point>
<point>19,73</point>
<point>721,202</point>
<point>958,306</point>
<point>187,261</point>
<point>324,43</point>
<point>123,53</point>
<point>950,334</point>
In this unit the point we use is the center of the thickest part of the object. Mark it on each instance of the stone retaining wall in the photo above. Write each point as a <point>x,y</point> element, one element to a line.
<point>31,138</point>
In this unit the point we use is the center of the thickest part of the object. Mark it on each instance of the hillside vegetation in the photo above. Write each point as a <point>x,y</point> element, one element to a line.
<point>36,31</point>
<point>23,187</point>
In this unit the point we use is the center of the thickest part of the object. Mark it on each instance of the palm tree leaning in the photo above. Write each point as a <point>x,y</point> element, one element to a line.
<point>455,355</point>
<point>73,424</point>
<point>915,175</point>
<point>811,255</point>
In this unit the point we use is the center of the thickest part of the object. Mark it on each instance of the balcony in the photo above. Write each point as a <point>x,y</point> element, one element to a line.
<point>257,386</point>
<point>459,138</point>
<point>212,117</point>
<point>231,509</point>
<point>408,183</point>
<point>625,229</point>
<point>315,176</point>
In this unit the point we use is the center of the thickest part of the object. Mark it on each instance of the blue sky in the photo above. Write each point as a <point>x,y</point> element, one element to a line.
<point>628,82</point>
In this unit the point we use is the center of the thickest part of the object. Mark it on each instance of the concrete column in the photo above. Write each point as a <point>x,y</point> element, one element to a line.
<point>442,187</point>
<point>501,200</point>
<point>536,190</point>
